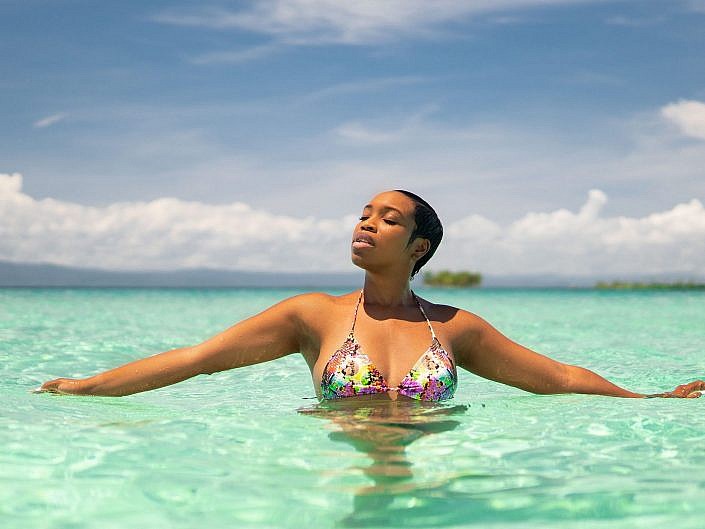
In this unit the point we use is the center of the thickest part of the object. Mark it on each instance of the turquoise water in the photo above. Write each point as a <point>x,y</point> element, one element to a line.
<point>251,448</point>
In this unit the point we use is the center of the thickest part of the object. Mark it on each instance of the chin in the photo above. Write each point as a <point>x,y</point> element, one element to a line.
<point>362,262</point>
<point>358,261</point>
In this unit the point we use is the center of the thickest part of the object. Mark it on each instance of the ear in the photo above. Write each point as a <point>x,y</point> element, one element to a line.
<point>421,248</point>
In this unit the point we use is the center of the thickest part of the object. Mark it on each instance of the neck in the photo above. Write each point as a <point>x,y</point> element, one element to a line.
<point>388,290</point>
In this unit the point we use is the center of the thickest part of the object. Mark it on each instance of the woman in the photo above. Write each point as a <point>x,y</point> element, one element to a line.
<point>386,326</point>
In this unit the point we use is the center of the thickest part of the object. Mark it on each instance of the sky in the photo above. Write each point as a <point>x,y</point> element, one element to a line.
<point>552,136</point>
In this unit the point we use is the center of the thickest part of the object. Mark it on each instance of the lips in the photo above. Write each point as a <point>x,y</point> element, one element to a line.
<point>362,240</point>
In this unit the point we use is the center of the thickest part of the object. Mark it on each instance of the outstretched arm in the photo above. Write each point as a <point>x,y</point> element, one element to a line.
<point>484,351</point>
<point>271,334</point>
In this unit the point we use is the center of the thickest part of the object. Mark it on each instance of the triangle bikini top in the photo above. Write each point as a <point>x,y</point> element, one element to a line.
<point>349,371</point>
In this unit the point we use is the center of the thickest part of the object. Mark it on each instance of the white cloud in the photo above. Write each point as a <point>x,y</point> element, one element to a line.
<point>49,120</point>
<point>688,116</point>
<point>164,234</point>
<point>501,168</point>
<point>410,127</point>
<point>333,21</point>
<point>361,86</point>
<point>358,133</point>
<point>168,233</point>
<point>236,56</point>
<point>582,243</point>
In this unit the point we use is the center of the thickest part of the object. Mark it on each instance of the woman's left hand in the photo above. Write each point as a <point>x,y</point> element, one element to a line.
<point>684,391</point>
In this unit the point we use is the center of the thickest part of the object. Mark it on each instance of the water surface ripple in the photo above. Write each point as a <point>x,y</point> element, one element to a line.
<point>254,448</point>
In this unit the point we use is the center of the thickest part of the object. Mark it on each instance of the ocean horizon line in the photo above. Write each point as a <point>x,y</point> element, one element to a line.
<point>49,275</point>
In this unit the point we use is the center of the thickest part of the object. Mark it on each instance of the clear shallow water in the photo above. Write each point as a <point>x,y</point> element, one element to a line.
<point>251,448</point>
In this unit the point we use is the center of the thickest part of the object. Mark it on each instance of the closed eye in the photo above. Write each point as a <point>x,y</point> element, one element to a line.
<point>391,222</point>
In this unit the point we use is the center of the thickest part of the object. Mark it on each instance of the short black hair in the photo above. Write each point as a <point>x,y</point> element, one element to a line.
<point>428,226</point>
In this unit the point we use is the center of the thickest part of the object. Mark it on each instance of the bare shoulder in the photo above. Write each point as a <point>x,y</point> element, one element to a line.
<point>458,323</point>
<point>315,315</point>
<point>450,314</point>
<point>468,321</point>
<point>316,304</point>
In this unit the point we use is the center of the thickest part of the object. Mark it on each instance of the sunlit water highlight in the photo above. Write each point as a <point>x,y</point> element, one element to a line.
<point>252,448</point>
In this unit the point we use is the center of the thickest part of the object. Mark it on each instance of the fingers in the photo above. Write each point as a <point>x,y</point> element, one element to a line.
<point>692,390</point>
<point>46,388</point>
<point>697,385</point>
<point>52,386</point>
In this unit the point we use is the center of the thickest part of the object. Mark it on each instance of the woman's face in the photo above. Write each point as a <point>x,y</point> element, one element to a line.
<point>381,237</point>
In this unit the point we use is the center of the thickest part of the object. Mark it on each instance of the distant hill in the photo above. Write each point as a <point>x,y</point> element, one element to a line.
<point>49,275</point>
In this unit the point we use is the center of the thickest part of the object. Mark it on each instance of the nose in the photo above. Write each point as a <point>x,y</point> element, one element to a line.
<point>366,225</point>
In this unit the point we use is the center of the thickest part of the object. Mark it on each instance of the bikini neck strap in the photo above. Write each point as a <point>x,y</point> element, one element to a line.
<point>428,322</point>
<point>352,327</point>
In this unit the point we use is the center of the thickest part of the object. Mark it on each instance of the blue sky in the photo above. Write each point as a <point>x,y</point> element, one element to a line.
<point>304,108</point>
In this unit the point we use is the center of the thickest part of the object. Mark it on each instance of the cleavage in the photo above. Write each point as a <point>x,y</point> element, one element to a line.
<point>396,363</point>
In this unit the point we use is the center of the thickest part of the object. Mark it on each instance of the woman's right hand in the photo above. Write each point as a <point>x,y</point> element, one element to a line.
<point>66,386</point>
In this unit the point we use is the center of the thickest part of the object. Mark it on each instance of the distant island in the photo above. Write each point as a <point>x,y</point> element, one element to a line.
<point>446,278</point>
<point>638,285</point>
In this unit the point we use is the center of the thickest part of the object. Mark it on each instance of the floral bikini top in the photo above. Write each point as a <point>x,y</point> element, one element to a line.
<point>349,372</point>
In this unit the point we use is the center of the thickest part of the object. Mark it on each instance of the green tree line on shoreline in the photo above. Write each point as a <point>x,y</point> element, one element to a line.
<point>638,285</point>
<point>446,278</point>
<point>467,279</point>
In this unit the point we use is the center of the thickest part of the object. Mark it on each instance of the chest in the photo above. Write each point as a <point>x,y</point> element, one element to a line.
<point>392,345</point>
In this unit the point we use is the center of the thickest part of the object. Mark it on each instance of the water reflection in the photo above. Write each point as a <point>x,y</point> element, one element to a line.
<point>382,429</point>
